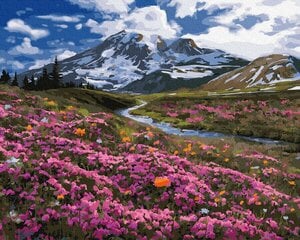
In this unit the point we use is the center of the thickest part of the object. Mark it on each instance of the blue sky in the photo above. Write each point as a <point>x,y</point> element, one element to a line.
<point>34,32</point>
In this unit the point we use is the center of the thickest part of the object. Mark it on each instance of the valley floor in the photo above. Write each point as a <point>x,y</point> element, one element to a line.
<point>72,169</point>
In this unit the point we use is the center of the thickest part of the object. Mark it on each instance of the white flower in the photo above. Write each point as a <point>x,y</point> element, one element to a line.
<point>204,211</point>
<point>255,167</point>
<point>7,106</point>
<point>45,120</point>
<point>99,140</point>
<point>265,210</point>
<point>13,161</point>
<point>285,218</point>
<point>12,213</point>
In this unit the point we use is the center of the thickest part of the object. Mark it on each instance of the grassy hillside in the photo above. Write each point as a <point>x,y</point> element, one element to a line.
<point>69,173</point>
<point>261,114</point>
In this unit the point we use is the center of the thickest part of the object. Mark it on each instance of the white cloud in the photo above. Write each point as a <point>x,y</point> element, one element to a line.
<point>58,18</point>
<point>25,48</point>
<point>149,21</point>
<point>11,39</point>
<point>66,54</point>
<point>78,26</point>
<point>16,65</point>
<point>2,60</point>
<point>63,26</point>
<point>19,26</point>
<point>22,12</point>
<point>277,30</point>
<point>104,6</point>
<point>39,63</point>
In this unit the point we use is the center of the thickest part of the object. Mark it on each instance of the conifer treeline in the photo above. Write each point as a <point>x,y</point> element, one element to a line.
<point>46,81</point>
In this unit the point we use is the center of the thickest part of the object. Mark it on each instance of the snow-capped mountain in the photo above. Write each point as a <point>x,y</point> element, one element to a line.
<point>262,71</point>
<point>124,60</point>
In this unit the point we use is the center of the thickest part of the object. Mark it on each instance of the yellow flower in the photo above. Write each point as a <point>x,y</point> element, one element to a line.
<point>193,153</point>
<point>292,183</point>
<point>29,128</point>
<point>71,108</point>
<point>162,182</point>
<point>51,103</point>
<point>265,162</point>
<point>80,132</point>
<point>60,197</point>
<point>226,160</point>
<point>217,199</point>
<point>241,202</point>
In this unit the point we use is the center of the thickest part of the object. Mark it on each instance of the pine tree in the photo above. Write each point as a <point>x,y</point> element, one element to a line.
<point>5,78</point>
<point>32,83</point>
<point>15,81</point>
<point>55,76</point>
<point>26,83</point>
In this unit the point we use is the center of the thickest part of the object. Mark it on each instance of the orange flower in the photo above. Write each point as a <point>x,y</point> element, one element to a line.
<point>80,132</point>
<point>217,200</point>
<point>162,182</point>
<point>29,128</point>
<point>265,162</point>
<point>176,152</point>
<point>222,192</point>
<point>126,139</point>
<point>241,202</point>
<point>128,192</point>
<point>60,197</point>
<point>156,142</point>
<point>132,148</point>
<point>196,198</point>
<point>292,209</point>
<point>150,134</point>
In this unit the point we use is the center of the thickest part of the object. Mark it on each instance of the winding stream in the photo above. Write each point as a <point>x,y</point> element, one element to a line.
<point>168,129</point>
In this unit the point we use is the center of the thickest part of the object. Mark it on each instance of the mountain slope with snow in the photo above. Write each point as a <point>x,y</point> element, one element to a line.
<point>262,71</point>
<point>125,58</point>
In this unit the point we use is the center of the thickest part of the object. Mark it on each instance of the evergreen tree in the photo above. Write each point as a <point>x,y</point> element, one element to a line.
<point>26,83</point>
<point>15,81</point>
<point>32,83</point>
<point>55,75</point>
<point>5,78</point>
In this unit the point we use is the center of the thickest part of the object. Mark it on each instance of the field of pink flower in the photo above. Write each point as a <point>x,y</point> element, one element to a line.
<point>264,116</point>
<point>69,174</point>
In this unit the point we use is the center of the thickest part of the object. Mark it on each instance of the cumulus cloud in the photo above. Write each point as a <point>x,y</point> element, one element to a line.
<point>247,28</point>
<point>39,63</point>
<point>63,26</point>
<point>58,18</point>
<point>65,54</point>
<point>78,26</point>
<point>19,26</point>
<point>22,12</point>
<point>149,21</point>
<point>16,65</point>
<point>25,48</point>
<point>104,6</point>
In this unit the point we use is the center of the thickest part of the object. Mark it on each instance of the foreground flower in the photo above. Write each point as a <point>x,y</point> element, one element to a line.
<point>162,182</point>
<point>80,132</point>
<point>60,197</point>
<point>29,128</point>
